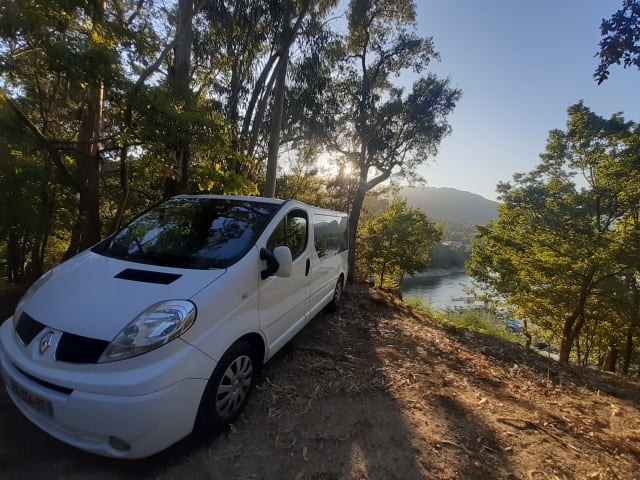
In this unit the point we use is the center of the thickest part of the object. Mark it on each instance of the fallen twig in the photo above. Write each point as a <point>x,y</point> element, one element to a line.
<point>513,422</point>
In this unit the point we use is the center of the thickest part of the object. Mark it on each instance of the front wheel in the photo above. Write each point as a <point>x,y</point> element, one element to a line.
<point>228,389</point>
<point>336,300</point>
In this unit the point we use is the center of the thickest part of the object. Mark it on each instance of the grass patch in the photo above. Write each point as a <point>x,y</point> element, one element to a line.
<point>481,321</point>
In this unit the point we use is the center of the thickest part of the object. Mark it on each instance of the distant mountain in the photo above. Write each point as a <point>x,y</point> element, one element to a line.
<point>451,205</point>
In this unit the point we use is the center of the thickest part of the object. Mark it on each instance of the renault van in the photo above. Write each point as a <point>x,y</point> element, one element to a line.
<point>160,329</point>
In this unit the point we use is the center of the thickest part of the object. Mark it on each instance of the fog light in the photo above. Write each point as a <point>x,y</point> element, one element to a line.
<point>119,444</point>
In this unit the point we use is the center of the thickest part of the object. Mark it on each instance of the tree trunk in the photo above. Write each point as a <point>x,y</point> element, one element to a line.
<point>258,121</point>
<point>124,188</point>
<point>88,160</point>
<point>627,353</point>
<point>276,127</point>
<point>611,359</point>
<point>255,95</point>
<point>89,169</point>
<point>567,338</point>
<point>354,218</point>
<point>177,180</point>
<point>43,228</point>
<point>574,322</point>
<point>74,243</point>
<point>13,257</point>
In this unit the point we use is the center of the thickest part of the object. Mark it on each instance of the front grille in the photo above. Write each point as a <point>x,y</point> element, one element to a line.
<point>76,349</point>
<point>71,348</point>
<point>27,328</point>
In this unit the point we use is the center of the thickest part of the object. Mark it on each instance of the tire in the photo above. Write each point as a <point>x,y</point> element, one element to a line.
<point>336,300</point>
<point>228,389</point>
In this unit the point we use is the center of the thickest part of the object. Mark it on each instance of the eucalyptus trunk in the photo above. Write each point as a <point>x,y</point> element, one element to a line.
<point>88,161</point>
<point>276,127</point>
<point>354,218</point>
<point>176,181</point>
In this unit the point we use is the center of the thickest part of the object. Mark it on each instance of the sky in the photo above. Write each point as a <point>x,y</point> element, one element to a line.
<point>520,64</point>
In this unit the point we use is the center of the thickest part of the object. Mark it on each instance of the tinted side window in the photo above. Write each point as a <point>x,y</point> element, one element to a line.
<point>330,234</point>
<point>292,232</point>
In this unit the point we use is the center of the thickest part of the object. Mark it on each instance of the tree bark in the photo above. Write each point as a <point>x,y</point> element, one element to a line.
<point>43,228</point>
<point>611,359</point>
<point>573,323</point>
<point>255,95</point>
<point>627,353</point>
<point>14,260</point>
<point>276,126</point>
<point>88,161</point>
<point>354,218</point>
<point>177,180</point>
<point>124,188</point>
<point>259,117</point>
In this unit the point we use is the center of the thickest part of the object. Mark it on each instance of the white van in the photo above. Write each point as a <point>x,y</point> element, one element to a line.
<point>160,329</point>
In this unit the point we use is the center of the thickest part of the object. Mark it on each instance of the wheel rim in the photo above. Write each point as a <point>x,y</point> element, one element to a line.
<point>337,294</point>
<point>234,386</point>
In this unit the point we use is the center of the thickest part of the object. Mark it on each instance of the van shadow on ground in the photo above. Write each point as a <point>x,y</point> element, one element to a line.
<point>325,408</point>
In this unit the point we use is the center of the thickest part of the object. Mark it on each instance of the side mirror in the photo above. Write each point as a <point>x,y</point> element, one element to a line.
<point>283,257</point>
<point>278,263</point>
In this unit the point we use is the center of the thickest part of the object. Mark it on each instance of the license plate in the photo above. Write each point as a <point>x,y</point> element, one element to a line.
<point>36,402</point>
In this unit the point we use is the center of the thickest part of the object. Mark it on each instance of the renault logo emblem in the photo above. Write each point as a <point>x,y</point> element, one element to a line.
<point>45,342</point>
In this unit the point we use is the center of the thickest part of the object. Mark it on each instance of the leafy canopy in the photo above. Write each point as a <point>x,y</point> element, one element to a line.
<point>397,242</point>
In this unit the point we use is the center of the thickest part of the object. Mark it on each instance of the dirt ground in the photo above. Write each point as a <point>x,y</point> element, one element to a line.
<point>375,391</point>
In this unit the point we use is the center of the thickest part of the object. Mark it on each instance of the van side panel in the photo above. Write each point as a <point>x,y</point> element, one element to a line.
<point>329,257</point>
<point>232,305</point>
<point>284,300</point>
<point>283,305</point>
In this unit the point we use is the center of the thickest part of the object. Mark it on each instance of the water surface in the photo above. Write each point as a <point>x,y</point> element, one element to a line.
<point>440,293</point>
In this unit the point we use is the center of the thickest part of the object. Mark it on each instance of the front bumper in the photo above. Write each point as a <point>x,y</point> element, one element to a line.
<point>128,409</point>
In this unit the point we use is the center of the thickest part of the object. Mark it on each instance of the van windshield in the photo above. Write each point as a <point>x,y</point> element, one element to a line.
<point>188,232</point>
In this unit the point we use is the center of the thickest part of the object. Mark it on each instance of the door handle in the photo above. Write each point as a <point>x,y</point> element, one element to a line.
<point>306,270</point>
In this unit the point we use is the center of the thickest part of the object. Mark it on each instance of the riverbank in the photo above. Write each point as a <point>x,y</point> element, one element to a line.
<point>438,273</point>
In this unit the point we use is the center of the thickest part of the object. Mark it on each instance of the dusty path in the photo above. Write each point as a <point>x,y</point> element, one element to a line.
<point>376,392</point>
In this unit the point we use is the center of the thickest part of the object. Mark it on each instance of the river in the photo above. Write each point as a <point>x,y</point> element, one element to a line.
<point>438,292</point>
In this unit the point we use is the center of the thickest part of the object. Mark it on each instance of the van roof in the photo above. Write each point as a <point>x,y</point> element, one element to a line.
<point>276,201</point>
<point>234,197</point>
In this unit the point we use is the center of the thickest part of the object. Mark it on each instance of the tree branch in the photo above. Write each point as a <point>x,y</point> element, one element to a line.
<point>154,67</point>
<point>65,176</point>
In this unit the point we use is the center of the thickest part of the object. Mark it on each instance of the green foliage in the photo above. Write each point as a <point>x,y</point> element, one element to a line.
<point>91,117</point>
<point>620,40</point>
<point>446,257</point>
<point>381,130</point>
<point>397,242</point>
<point>558,253</point>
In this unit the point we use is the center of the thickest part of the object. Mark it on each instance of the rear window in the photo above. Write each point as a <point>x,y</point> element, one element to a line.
<point>330,234</point>
<point>187,232</point>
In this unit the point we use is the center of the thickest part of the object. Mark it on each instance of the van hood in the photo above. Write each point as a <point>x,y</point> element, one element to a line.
<point>97,296</point>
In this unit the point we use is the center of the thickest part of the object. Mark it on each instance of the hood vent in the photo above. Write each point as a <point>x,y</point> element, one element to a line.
<point>147,276</point>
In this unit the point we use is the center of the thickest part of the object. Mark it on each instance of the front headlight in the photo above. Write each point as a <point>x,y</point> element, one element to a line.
<point>156,326</point>
<point>28,294</point>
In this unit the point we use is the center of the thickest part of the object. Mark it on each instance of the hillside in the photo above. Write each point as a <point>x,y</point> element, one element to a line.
<point>451,205</point>
<point>377,391</point>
